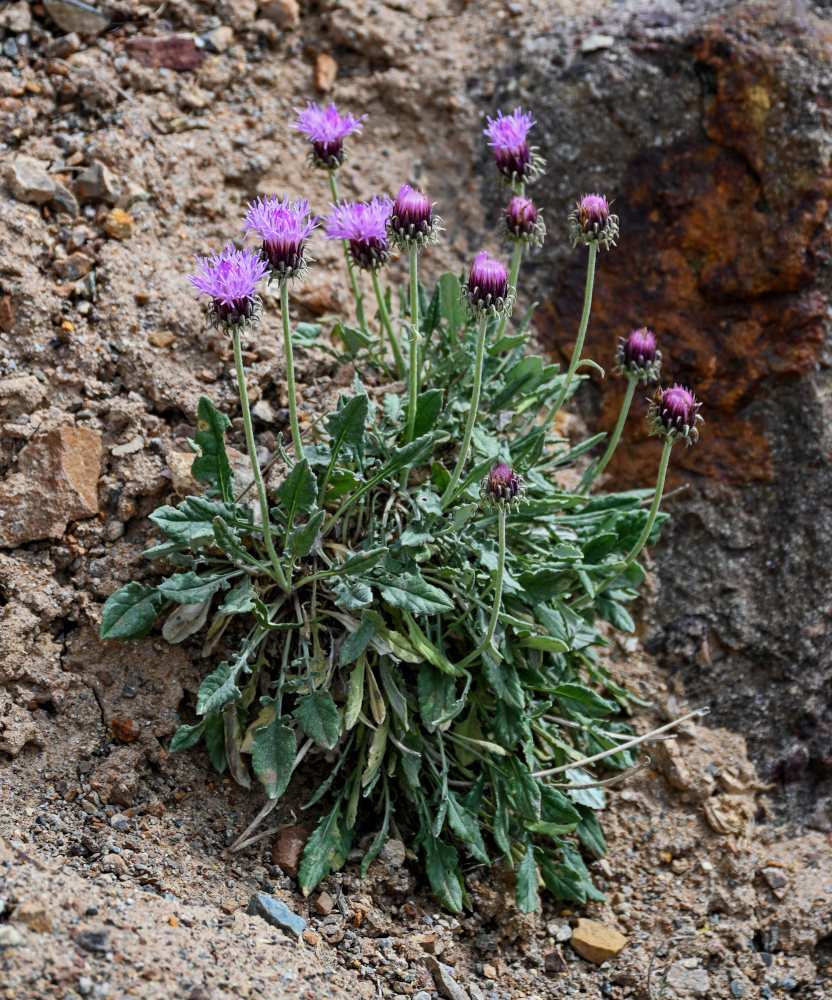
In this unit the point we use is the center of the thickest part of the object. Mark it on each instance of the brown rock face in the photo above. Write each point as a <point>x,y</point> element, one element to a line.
<point>56,482</point>
<point>596,942</point>
<point>723,235</point>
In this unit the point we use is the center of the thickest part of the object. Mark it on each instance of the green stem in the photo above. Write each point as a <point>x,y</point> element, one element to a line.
<point>498,589</point>
<point>401,367</point>
<point>633,554</point>
<point>593,472</point>
<point>472,414</point>
<point>290,370</point>
<point>415,338</point>
<point>579,344</point>
<point>516,257</point>
<point>280,576</point>
<point>357,294</point>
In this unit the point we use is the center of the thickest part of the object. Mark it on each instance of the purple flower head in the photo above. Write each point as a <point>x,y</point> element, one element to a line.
<point>508,135</point>
<point>674,412</point>
<point>412,220</point>
<point>487,288</point>
<point>326,129</point>
<point>638,356</point>
<point>230,280</point>
<point>284,227</point>
<point>521,222</point>
<point>592,222</point>
<point>363,224</point>
<point>502,486</point>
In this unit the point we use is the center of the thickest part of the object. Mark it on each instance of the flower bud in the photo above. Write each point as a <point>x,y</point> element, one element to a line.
<point>230,280</point>
<point>412,220</point>
<point>592,222</point>
<point>674,413</point>
<point>521,222</point>
<point>637,355</point>
<point>487,289</point>
<point>502,487</point>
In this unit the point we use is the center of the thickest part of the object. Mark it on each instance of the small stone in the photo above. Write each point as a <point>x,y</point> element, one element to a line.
<point>324,904</point>
<point>489,971</point>
<point>421,995</point>
<point>277,914</point>
<point>16,18</point>
<point>10,937</point>
<point>597,42</point>
<point>443,978</point>
<point>56,482</point>
<point>219,39</point>
<point>392,853</point>
<point>563,933</point>
<point>8,314</point>
<point>179,52</point>
<point>34,915</point>
<point>94,941</point>
<point>326,69</point>
<point>554,963</point>
<point>428,943</point>
<point>788,983</point>
<point>119,224</point>
<point>687,981</point>
<point>73,267</point>
<point>283,13</point>
<point>161,338</point>
<point>288,848</point>
<point>65,200</point>
<point>72,15</point>
<point>738,988</point>
<point>596,942</point>
<point>775,877</point>
<point>179,464</point>
<point>310,937</point>
<point>264,411</point>
<point>129,447</point>
<point>124,729</point>
<point>29,181</point>
<point>98,183</point>
<point>21,394</point>
<point>118,821</point>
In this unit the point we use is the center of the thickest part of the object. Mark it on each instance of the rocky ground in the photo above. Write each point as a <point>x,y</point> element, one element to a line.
<point>130,141</point>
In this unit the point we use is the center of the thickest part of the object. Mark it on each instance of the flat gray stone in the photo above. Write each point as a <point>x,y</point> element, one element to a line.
<point>443,978</point>
<point>98,183</point>
<point>72,15</point>
<point>278,914</point>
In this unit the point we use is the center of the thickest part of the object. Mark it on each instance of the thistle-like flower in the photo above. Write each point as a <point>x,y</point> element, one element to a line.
<point>230,280</point>
<point>412,220</point>
<point>517,162</point>
<point>637,355</point>
<point>487,289</point>
<point>326,129</point>
<point>521,222</point>
<point>363,224</point>
<point>502,487</point>
<point>592,222</point>
<point>284,227</point>
<point>674,413</point>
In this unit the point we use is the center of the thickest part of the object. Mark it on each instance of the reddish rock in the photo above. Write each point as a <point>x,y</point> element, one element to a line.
<point>288,848</point>
<point>56,482</point>
<point>124,729</point>
<point>722,239</point>
<point>326,69</point>
<point>283,13</point>
<point>8,314</point>
<point>173,52</point>
<point>596,942</point>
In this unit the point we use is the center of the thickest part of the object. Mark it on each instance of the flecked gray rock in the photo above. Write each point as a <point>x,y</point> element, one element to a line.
<point>443,977</point>
<point>29,181</point>
<point>278,914</point>
<point>72,15</point>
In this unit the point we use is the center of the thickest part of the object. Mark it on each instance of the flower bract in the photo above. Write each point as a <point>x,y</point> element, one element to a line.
<point>592,222</point>
<point>411,219</point>
<point>517,161</point>
<point>502,486</point>
<point>521,222</point>
<point>487,288</point>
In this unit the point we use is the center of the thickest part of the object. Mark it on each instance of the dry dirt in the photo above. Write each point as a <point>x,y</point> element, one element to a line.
<point>115,879</point>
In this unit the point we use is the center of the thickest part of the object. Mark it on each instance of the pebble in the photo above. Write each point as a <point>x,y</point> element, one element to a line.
<point>596,942</point>
<point>34,915</point>
<point>443,977</point>
<point>324,904</point>
<point>73,15</point>
<point>276,913</point>
<point>326,69</point>
<point>219,39</point>
<point>29,181</point>
<point>119,224</point>
<point>10,937</point>
<point>283,13</point>
<point>98,183</point>
<point>738,988</point>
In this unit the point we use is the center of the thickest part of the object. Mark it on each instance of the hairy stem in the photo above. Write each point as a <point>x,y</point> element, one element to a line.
<point>401,367</point>
<point>593,472</point>
<point>498,589</point>
<point>516,257</point>
<point>279,575</point>
<point>357,294</point>
<point>290,370</point>
<point>654,509</point>
<point>472,414</point>
<point>415,338</point>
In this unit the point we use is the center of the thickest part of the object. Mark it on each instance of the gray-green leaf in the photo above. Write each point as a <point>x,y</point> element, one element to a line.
<point>130,612</point>
<point>319,718</point>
